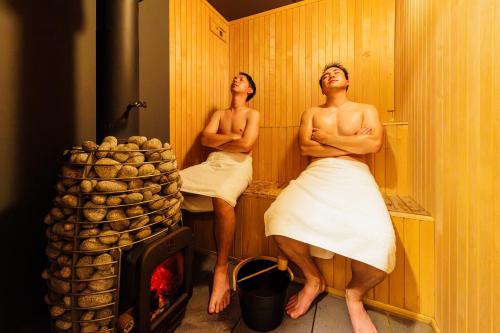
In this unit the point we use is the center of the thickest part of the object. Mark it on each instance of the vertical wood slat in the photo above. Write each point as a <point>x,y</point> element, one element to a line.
<point>412,264</point>
<point>427,269</point>
<point>391,171</point>
<point>397,278</point>
<point>339,280</point>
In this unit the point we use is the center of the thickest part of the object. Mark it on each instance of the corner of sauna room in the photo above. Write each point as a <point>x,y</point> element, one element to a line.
<point>430,69</point>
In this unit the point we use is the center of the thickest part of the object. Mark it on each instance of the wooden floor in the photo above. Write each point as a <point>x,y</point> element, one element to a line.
<point>327,315</point>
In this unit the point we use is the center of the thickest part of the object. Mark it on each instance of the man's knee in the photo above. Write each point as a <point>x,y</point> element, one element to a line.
<point>367,271</point>
<point>221,207</point>
<point>280,240</point>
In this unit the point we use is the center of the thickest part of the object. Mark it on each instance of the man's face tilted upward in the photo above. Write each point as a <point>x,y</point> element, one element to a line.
<point>240,84</point>
<point>333,79</point>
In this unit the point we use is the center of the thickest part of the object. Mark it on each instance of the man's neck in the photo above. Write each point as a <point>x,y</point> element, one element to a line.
<point>336,98</point>
<point>238,102</point>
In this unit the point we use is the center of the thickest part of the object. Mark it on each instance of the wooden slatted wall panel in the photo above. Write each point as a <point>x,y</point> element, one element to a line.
<point>390,165</point>
<point>448,89</point>
<point>199,75</point>
<point>285,51</point>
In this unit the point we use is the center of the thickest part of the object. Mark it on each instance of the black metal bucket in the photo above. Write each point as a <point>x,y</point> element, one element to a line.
<point>262,298</point>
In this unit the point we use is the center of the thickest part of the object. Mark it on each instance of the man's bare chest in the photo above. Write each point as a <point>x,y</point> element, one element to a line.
<point>233,123</point>
<point>344,122</point>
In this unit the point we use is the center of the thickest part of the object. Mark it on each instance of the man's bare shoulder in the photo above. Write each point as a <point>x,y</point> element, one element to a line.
<point>253,111</point>
<point>218,112</point>
<point>312,110</point>
<point>252,114</point>
<point>363,107</point>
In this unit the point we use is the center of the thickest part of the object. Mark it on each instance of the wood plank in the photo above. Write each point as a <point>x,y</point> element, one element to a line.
<point>398,205</point>
<point>412,265</point>
<point>289,66</point>
<point>427,275</point>
<point>401,155</point>
<point>183,98</point>
<point>391,171</point>
<point>265,57</point>
<point>251,65</point>
<point>284,71</point>
<point>308,57</point>
<point>254,242</point>
<point>266,137</point>
<point>413,206</point>
<point>295,84</point>
<point>339,276</point>
<point>301,60</point>
<point>397,277</point>
<point>272,70</point>
<point>326,268</point>
<point>316,70</point>
<point>379,164</point>
<point>202,224</point>
<point>282,156</point>
<point>381,291</point>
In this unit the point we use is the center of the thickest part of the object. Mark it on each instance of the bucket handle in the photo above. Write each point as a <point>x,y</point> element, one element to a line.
<point>241,263</point>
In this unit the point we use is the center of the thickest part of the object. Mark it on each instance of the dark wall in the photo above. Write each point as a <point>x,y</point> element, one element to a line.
<point>47,84</point>
<point>153,65</point>
<point>235,9</point>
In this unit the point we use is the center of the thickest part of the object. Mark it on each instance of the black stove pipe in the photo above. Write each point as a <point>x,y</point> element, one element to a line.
<point>117,62</point>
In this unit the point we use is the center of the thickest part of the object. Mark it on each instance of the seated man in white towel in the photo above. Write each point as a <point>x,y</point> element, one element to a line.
<point>217,183</point>
<point>334,206</point>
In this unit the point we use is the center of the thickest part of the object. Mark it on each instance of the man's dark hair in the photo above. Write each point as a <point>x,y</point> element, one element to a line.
<point>252,84</point>
<point>336,65</point>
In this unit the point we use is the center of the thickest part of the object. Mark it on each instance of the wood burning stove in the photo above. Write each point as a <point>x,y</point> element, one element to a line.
<point>111,201</point>
<point>118,253</point>
<point>166,262</point>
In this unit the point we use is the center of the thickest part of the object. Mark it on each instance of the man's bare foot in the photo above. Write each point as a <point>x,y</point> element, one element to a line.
<point>361,322</point>
<point>221,295</point>
<point>299,303</point>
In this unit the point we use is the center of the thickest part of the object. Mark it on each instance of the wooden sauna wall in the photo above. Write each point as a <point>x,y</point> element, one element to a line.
<point>285,51</point>
<point>448,89</point>
<point>390,165</point>
<point>199,75</point>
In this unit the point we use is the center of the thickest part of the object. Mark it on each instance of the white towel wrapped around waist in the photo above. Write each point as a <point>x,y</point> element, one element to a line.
<point>223,175</point>
<point>335,206</point>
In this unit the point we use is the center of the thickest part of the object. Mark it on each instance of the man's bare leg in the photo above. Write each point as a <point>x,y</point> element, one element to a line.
<point>364,277</point>
<point>298,252</point>
<point>225,221</point>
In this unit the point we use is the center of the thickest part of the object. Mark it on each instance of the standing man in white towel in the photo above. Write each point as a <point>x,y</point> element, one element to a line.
<point>334,206</point>
<point>216,184</point>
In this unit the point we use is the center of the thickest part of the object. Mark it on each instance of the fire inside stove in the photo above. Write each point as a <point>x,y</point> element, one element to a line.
<point>167,281</point>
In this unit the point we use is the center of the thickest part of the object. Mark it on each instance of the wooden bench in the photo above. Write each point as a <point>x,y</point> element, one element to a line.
<point>408,290</point>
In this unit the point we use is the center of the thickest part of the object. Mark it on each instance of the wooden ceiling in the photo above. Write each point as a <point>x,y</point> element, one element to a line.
<point>235,9</point>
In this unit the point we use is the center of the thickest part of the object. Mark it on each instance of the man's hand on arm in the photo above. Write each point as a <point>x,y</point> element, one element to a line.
<point>210,137</point>
<point>244,143</point>
<point>309,147</point>
<point>367,140</point>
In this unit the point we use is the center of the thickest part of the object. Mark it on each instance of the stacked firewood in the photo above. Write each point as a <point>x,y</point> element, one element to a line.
<point>110,197</point>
